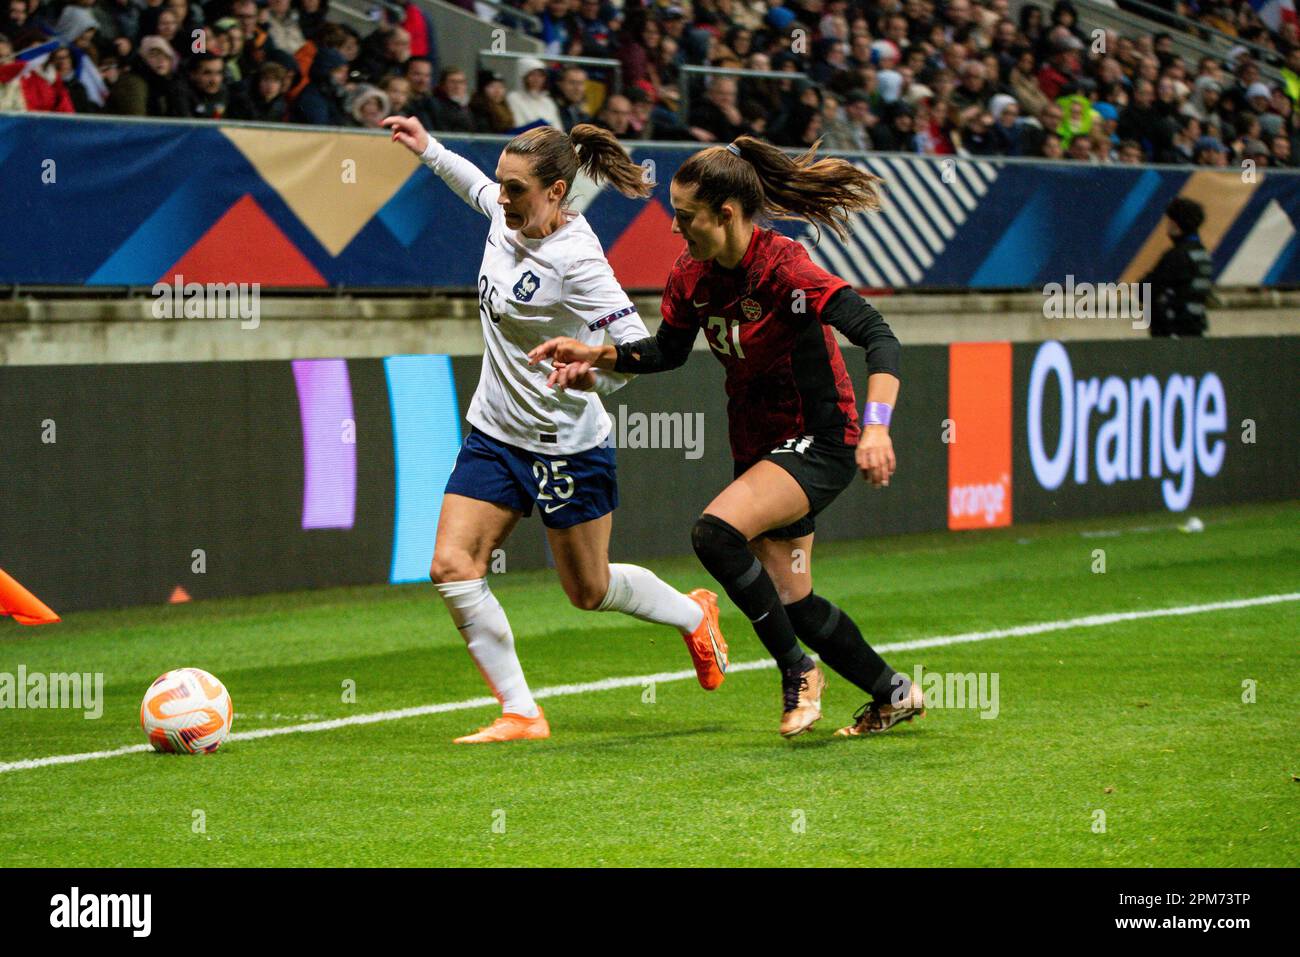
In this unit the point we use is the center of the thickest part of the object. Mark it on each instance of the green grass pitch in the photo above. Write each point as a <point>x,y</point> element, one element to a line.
<point>1142,720</point>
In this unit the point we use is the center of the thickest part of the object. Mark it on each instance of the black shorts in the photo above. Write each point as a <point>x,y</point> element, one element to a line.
<point>823,465</point>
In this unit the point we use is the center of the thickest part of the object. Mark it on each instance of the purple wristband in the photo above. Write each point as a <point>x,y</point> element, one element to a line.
<point>876,413</point>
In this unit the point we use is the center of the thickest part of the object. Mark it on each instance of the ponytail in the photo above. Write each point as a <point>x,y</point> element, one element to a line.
<point>768,183</point>
<point>601,157</point>
<point>589,148</point>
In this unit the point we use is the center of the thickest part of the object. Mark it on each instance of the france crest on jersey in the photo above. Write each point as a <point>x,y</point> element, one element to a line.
<point>526,286</point>
<point>531,290</point>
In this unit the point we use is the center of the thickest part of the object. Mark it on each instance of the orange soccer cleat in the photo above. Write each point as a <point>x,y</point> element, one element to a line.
<point>510,727</point>
<point>707,646</point>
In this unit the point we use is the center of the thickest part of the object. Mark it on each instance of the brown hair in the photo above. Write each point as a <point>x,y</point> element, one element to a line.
<point>587,147</point>
<point>770,184</point>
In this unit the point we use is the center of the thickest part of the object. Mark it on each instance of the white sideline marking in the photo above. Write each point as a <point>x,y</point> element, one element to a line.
<point>608,684</point>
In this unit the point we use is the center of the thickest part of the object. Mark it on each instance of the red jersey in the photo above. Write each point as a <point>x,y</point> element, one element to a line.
<point>785,374</point>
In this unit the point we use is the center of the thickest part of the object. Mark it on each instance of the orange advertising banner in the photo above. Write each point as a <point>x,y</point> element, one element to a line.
<point>978,434</point>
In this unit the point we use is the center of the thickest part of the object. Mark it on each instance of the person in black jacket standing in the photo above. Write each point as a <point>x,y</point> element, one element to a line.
<point>1182,280</point>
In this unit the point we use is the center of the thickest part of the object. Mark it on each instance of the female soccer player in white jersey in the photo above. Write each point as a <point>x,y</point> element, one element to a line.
<point>543,275</point>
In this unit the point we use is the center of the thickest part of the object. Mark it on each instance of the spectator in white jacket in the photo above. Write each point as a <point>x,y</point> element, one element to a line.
<point>530,101</point>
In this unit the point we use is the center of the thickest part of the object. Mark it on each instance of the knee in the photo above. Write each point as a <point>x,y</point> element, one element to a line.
<point>718,544</point>
<point>587,593</point>
<point>453,566</point>
<point>585,597</point>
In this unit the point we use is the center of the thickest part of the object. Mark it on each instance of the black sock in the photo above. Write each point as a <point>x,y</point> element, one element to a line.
<point>835,637</point>
<point>725,554</point>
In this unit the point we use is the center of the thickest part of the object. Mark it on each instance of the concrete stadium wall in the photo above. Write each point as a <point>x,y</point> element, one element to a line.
<point>46,331</point>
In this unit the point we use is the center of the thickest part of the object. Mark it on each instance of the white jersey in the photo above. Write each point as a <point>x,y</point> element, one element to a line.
<point>531,290</point>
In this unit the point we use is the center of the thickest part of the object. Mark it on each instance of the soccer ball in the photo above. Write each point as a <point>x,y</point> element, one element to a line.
<point>186,711</point>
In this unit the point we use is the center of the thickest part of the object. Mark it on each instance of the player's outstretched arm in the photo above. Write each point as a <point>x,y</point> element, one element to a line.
<point>667,349</point>
<point>465,179</point>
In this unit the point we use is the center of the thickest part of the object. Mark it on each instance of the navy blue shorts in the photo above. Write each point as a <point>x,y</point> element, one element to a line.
<point>568,489</point>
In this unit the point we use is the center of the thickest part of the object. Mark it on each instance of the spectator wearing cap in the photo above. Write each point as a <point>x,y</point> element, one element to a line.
<point>1259,98</point>
<point>366,106</point>
<point>267,100</point>
<point>1106,121</point>
<point>321,101</point>
<point>151,87</point>
<point>529,101</point>
<point>206,95</point>
<point>1008,131</point>
<point>571,97</point>
<point>451,112</point>
<point>1204,98</point>
<point>1182,281</point>
<point>1210,151</point>
<point>1255,151</point>
<point>489,104</point>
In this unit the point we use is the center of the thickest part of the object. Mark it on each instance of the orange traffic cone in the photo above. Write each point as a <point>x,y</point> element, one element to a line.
<point>25,607</point>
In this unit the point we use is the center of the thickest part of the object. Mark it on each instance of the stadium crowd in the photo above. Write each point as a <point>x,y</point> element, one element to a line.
<point>929,76</point>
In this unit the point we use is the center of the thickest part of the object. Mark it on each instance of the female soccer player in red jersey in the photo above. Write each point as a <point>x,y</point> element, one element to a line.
<point>768,313</point>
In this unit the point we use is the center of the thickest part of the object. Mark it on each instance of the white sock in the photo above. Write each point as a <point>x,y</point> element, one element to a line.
<point>639,592</point>
<point>483,624</point>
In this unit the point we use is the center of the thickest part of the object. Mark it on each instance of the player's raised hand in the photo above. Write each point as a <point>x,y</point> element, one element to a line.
<point>408,131</point>
<point>875,455</point>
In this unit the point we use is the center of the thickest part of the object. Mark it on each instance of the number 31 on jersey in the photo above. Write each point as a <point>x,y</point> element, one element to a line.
<point>717,335</point>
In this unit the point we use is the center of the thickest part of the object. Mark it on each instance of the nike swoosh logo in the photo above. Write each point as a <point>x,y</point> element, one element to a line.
<point>548,509</point>
<point>718,654</point>
<point>699,305</point>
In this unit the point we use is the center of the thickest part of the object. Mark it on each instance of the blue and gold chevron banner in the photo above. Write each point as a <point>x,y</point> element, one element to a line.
<point>97,202</point>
